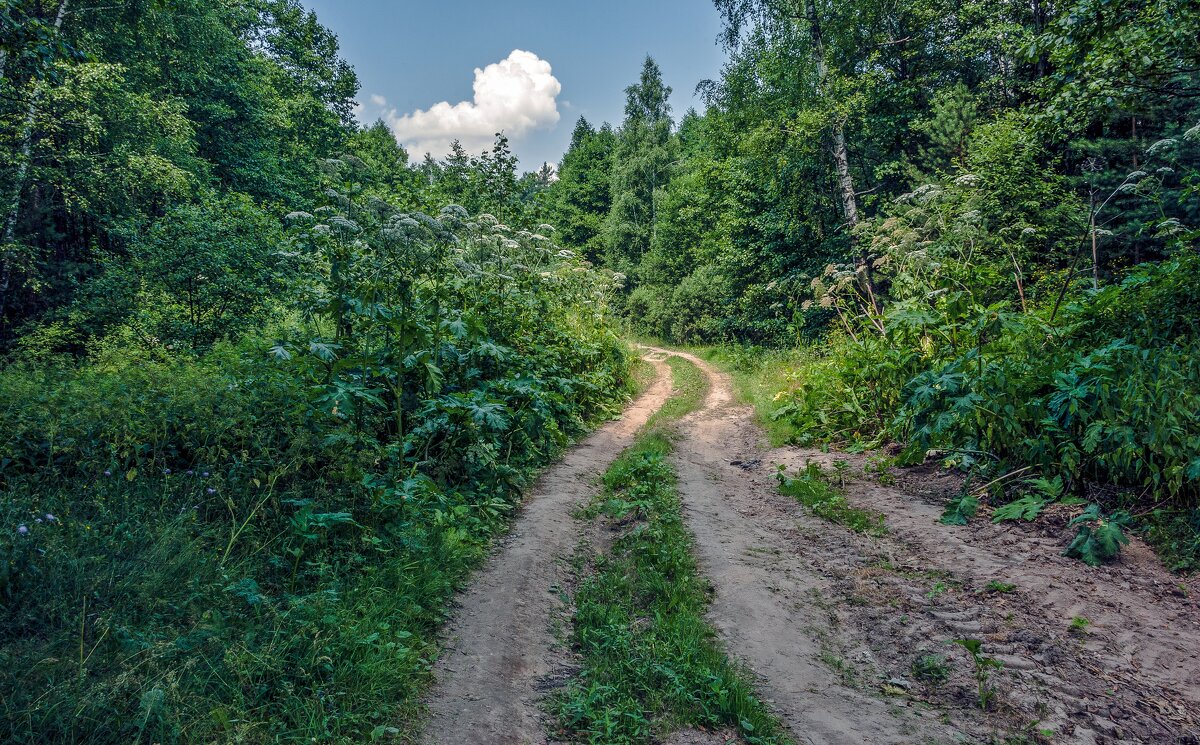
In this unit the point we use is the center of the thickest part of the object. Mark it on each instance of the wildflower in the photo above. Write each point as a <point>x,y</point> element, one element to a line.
<point>107,472</point>
<point>190,472</point>
<point>51,518</point>
<point>205,474</point>
<point>22,530</point>
<point>211,490</point>
<point>37,519</point>
<point>167,471</point>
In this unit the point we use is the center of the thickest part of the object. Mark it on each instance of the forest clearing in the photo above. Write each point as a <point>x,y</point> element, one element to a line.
<point>832,376</point>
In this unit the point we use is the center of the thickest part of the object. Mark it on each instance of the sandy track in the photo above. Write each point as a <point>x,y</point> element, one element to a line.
<point>1132,676</point>
<point>500,647</point>
<point>828,618</point>
<point>769,604</point>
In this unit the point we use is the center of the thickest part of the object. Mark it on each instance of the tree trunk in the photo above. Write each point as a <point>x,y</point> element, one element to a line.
<point>22,170</point>
<point>841,159</point>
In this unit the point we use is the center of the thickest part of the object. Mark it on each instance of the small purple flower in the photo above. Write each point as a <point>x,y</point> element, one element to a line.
<point>22,530</point>
<point>190,472</point>
<point>167,471</point>
<point>51,518</point>
<point>205,474</point>
<point>107,473</point>
<point>211,490</point>
<point>37,520</point>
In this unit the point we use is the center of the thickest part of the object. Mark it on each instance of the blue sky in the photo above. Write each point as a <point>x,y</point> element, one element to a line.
<point>417,61</point>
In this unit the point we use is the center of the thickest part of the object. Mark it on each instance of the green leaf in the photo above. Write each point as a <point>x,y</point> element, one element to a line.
<point>1025,508</point>
<point>1193,470</point>
<point>960,510</point>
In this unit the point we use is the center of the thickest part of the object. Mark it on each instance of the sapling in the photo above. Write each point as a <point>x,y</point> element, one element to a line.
<point>984,666</point>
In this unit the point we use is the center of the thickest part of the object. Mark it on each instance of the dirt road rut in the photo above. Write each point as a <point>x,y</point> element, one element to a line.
<point>831,621</point>
<point>500,647</point>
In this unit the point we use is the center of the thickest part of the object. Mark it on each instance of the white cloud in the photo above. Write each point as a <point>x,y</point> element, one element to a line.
<point>514,96</point>
<point>378,100</point>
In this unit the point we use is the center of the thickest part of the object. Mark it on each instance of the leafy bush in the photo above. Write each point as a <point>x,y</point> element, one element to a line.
<point>1099,538</point>
<point>258,543</point>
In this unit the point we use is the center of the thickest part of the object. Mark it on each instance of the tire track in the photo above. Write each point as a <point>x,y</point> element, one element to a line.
<point>500,651</point>
<point>770,604</point>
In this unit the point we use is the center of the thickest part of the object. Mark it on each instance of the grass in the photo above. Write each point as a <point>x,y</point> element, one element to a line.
<point>690,388</point>
<point>651,663</point>
<point>813,489</point>
<point>758,377</point>
<point>189,553</point>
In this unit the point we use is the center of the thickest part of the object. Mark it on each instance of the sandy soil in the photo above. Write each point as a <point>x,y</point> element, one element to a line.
<point>501,651</point>
<point>831,621</point>
<point>772,602</point>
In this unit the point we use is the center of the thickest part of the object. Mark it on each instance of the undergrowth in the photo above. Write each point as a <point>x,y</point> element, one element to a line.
<point>651,663</point>
<point>257,543</point>
<point>1098,391</point>
<point>813,489</point>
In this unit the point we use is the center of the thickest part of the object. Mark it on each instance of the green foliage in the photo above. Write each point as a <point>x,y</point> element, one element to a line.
<point>1175,534</point>
<point>204,272</point>
<point>1099,539</point>
<point>583,193</point>
<point>113,123</point>
<point>1001,587</point>
<point>641,164</point>
<point>959,511</point>
<point>812,488</point>
<point>279,530</point>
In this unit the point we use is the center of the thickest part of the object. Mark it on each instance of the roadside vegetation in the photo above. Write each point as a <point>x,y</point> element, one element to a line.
<point>268,391</point>
<point>651,663</point>
<point>967,229</point>
<point>268,388</point>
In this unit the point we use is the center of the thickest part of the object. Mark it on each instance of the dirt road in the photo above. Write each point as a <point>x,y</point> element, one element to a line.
<point>500,647</point>
<point>831,621</point>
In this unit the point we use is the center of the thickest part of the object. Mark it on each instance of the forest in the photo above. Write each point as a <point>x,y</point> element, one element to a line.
<point>274,390</point>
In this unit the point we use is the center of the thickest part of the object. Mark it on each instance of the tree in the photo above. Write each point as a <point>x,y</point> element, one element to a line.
<point>497,173</point>
<point>583,191</point>
<point>641,166</point>
<point>126,113</point>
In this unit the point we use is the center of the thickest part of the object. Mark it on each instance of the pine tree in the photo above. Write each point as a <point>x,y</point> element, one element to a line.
<point>583,192</point>
<point>641,164</point>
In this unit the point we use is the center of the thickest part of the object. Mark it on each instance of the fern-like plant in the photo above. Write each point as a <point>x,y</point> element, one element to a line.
<point>1099,538</point>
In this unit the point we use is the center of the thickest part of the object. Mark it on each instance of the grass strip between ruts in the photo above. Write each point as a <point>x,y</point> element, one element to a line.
<point>651,662</point>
